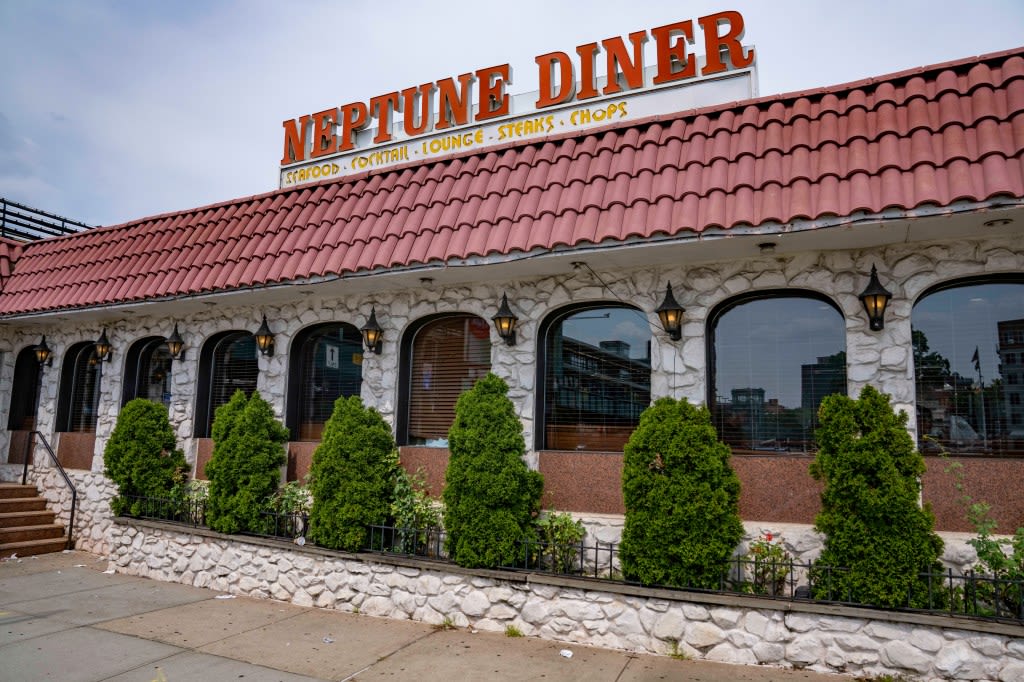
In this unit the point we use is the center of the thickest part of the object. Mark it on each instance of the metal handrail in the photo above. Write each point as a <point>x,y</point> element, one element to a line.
<point>29,452</point>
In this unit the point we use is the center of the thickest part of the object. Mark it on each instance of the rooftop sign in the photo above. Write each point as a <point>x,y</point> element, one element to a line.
<point>474,109</point>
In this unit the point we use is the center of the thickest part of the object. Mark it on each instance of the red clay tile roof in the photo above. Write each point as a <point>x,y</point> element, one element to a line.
<point>934,135</point>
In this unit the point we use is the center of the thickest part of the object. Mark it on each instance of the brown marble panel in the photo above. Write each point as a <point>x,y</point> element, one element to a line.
<point>777,488</point>
<point>204,450</point>
<point>996,481</point>
<point>432,461</point>
<point>300,459</point>
<point>582,481</point>
<point>16,444</point>
<point>74,450</point>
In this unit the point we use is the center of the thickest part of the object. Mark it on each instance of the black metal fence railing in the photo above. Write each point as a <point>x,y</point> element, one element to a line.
<point>969,594</point>
<point>188,510</point>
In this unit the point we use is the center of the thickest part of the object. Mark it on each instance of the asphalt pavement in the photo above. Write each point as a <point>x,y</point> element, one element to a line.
<point>66,617</point>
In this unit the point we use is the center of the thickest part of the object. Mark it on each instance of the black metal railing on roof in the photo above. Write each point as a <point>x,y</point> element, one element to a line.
<point>26,224</point>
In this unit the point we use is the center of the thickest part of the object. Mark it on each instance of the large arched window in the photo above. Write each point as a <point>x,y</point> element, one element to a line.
<point>24,391</point>
<point>773,357</point>
<point>227,363</point>
<point>596,370</point>
<point>77,406</point>
<point>968,342</point>
<point>326,363</point>
<point>147,371</point>
<point>441,358</point>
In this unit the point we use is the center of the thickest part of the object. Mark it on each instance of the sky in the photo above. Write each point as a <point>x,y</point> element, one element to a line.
<point>114,110</point>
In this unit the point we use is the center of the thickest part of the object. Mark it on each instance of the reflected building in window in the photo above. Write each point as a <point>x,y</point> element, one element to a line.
<point>1011,371</point>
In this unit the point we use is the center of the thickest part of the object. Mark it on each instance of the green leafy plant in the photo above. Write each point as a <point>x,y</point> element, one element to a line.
<point>559,536</point>
<point>490,495</point>
<point>352,476</point>
<point>676,652</point>
<point>681,497</point>
<point>291,498</point>
<point>1001,560</point>
<point>513,631</point>
<point>142,457</point>
<point>415,514</point>
<point>878,540</point>
<point>245,468</point>
<point>770,565</point>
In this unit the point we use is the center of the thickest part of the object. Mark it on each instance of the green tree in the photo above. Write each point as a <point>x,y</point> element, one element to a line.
<point>245,468</point>
<point>142,457</point>
<point>352,476</point>
<point>681,497</point>
<point>873,525</point>
<point>490,495</point>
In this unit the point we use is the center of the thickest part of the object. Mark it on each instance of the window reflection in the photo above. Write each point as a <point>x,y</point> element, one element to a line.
<point>597,379</point>
<point>330,363</point>
<point>968,344</point>
<point>775,359</point>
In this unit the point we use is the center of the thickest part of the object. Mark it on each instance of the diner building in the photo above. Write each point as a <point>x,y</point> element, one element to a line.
<point>771,226</point>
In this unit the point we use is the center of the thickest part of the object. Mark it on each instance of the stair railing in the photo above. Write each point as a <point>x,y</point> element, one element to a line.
<point>29,452</point>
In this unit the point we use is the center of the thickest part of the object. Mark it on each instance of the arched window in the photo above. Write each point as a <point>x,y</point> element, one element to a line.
<point>326,363</point>
<point>227,363</point>
<point>596,377</point>
<point>24,391</point>
<point>147,371</point>
<point>441,358</point>
<point>77,406</point>
<point>773,358</point>
<point>968,344</point>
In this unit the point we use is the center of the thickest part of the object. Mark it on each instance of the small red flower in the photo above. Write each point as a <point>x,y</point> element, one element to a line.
<point>768,536</point>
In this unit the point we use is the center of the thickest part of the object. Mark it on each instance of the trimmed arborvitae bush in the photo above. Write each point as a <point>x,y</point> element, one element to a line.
<point>490,495</point>
<point>874,528</point>
<point>681,497</point>
<point>245,469</point>
<point>142,457</point>
<point>352,476</point>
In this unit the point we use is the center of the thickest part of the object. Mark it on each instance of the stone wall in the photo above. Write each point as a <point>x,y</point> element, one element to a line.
<point>731,629</point>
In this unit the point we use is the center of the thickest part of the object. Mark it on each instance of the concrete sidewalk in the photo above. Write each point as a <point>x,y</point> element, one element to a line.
<point>63,618</point>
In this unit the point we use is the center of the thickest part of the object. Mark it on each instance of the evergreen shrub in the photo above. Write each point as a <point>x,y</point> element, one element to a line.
<point>490,495</point>
<point>681,497</point>
<point>875,530</point>
<point>352,477</point>
<point>245,468</point>
<point>142,457</point>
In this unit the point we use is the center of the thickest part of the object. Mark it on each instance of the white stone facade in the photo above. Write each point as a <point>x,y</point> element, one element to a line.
<point>679,369</point>
<point>713,627</point>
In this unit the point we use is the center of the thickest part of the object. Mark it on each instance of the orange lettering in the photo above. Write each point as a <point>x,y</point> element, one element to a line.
<point>493,99</point>
<point>588,84</point>
<point>619,61</point>
<point>672,62</point>
<point>714,43</point>
<point>424,95</point>
<point>324,141</point>
<point>546,74</point>
<point>353,117</point>
<point>453,105</point>
<point>381,106</point>
<point>295,140</point>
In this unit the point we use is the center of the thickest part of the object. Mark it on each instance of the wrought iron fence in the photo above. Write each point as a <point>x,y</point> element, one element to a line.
<point>969,594</point>
<point>187,510</point>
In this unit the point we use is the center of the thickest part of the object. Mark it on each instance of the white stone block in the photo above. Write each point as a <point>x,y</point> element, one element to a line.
<point>900,654</point>
<point>703,635</point>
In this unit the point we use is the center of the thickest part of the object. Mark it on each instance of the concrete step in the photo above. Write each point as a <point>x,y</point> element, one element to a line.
<point>17,504</point>
<point>9,490</point>
<point>47,531</point>
<point>25,518</point>
<point>31,547</point>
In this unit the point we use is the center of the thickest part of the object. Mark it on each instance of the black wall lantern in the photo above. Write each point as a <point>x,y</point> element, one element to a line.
<point>671,315</point>
<point>175,344</point>
<point>373,335</point>
<point>875,298</point>
<point>103,347</point>
<point>505,322</point>
<point>265,338</point>
<point>44,356</point>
